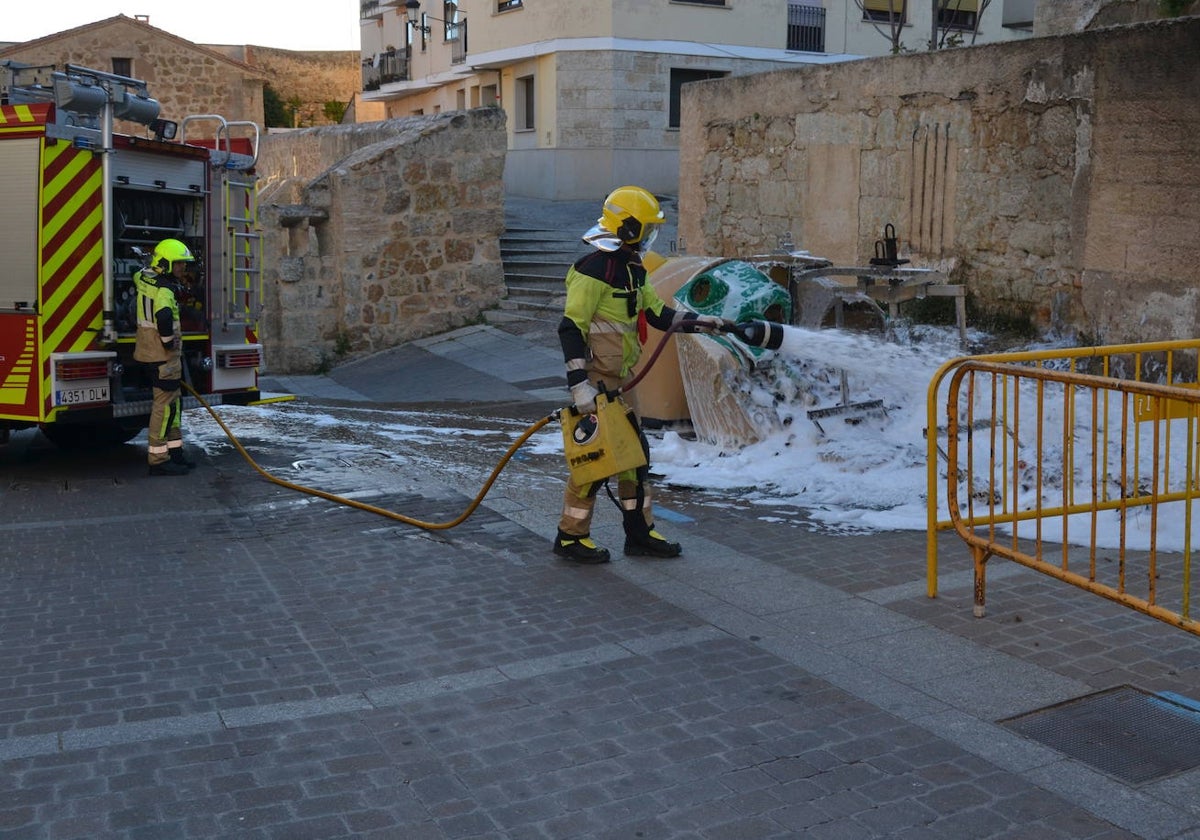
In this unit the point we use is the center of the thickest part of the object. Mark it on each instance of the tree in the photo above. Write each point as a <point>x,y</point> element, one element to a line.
<point>894,21</point>
<point>947,30</point>
<point>294,105</point>
<point>274,114</point>
<point>334,111</point>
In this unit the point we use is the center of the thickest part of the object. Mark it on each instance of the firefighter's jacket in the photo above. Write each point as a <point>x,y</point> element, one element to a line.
<point>157,320</point>
<point>607,295</point>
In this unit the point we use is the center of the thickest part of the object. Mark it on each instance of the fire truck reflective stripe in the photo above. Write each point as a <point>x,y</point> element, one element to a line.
<point>78,260</point>
<point>21,114</point>
<point>15,387</point>
<point>71,210</point>
<point>71,314</point>
<point>74,177</point>
<point>23,120</point>
<point>72,253</point>
<point>71,222</point>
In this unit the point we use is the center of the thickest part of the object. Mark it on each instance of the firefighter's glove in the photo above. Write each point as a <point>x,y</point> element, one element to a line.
<point>710,324</point>
<point>583,395</point>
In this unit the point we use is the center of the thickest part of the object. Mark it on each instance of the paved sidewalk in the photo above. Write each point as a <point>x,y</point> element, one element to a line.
<point>216,656</point>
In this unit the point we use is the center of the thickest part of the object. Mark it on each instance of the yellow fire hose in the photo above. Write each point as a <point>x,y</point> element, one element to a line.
<point>408,520</point>
<point>390,514</point>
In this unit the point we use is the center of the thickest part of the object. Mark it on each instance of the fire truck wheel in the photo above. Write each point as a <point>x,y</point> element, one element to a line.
<point>94,436</point>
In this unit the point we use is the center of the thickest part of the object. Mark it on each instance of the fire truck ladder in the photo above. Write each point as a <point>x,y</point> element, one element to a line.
<point>243,247</point>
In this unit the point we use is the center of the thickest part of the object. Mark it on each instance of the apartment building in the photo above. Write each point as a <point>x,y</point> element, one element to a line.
<point>592,89</point>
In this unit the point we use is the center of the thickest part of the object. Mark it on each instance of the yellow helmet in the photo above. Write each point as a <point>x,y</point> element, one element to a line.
<point>167,252</point>
<point>632,215</point>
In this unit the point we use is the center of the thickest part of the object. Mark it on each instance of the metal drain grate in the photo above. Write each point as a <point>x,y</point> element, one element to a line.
<point>1124,732</point>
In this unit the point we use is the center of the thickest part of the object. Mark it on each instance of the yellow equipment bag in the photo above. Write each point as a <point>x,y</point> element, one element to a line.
<point>602,444</point>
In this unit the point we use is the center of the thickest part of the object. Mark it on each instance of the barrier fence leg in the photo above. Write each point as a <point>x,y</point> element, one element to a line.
<point>981,556</point>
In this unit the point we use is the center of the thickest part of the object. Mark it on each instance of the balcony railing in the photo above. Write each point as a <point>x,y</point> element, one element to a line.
<point>386,67</point>
<point>369,10</point>
<point>805,28</point>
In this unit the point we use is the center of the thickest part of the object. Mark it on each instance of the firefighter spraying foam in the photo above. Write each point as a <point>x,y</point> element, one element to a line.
<point>608,302</point>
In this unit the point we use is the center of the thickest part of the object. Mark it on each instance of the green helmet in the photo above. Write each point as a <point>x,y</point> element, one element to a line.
<point>167,252</point>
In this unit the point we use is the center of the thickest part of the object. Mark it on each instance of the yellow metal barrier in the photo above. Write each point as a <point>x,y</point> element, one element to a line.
<point>1079,453</point>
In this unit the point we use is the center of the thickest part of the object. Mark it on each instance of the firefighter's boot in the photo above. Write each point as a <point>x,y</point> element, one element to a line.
<point>641,540</point>
<point>579,549</point>
<point>168,468</point>
<point>177,457</point>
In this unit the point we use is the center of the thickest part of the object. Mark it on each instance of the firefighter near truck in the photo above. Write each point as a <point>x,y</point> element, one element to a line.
<point>84,207</point>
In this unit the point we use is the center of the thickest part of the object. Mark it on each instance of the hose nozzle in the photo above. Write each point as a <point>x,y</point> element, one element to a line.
<point>763,334</point>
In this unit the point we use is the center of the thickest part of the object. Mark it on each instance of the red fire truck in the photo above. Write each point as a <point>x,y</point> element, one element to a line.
<point>81,208</point>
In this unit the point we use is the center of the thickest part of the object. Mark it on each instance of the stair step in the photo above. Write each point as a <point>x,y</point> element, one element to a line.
<point>539,273</point>
<point>542,234</point>
<point>508,316</point>
<point>538,255</point>
<point>540,291</point>
<point>537,268</point>
<point>529,305</point>
<point>543,247</point>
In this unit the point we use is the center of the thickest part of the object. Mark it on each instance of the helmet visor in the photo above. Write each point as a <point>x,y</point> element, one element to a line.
<point>648,239</point>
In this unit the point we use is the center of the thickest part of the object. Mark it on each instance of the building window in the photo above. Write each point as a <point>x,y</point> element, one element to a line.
<point>884,11</point>
<point>505,5</point>
<point>525,104</point>
<point>679,78</point>
<point>1018,14</point>
<point>123,67</point>
<point>958,14</point>
<point>806,28</point>
<point>450,20</point>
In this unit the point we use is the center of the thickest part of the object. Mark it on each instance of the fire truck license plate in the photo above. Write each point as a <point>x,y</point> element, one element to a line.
<point>83,393</point>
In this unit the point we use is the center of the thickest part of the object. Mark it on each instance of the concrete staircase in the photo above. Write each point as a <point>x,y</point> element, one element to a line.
<point>535,263</point>
<point>541,241</point>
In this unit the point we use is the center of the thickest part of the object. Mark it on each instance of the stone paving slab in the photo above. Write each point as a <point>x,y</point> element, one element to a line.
<point>218,657</point>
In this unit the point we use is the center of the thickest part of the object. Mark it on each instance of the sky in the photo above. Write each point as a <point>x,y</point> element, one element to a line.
<point>323,25</point>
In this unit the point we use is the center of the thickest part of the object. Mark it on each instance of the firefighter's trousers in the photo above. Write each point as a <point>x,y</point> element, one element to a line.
<point>633,492</point>
<point>164,433</point>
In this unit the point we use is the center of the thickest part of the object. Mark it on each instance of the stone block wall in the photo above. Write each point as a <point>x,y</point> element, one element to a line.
<point>312,77</point>
<point>184,77</point>
<point>1057,177</point>
<point>1063,17</point>
<point>377,234</point>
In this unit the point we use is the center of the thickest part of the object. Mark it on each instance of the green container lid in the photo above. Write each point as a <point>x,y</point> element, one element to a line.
<point>738,291</point>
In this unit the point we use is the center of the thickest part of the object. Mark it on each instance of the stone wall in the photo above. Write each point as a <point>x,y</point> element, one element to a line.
<point>184,77</point>
<point>1063,17</point>
<point>1057,178</point>
<point>377,234</point>
<point>312,77</point>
